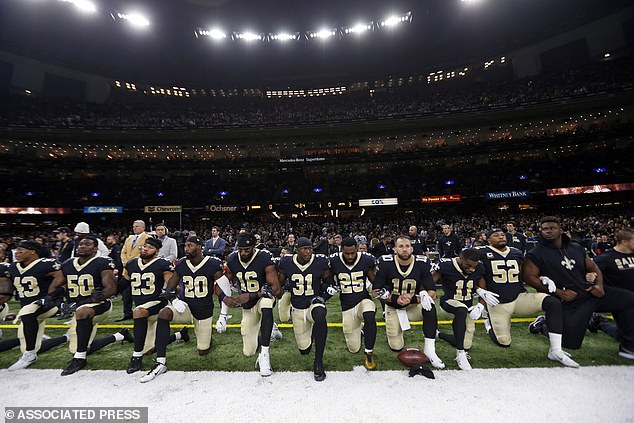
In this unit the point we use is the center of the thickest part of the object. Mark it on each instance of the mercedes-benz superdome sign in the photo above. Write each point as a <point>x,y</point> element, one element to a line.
<point>378,202</point>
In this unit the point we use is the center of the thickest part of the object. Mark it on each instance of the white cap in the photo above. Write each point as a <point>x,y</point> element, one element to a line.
<point>82,228</point>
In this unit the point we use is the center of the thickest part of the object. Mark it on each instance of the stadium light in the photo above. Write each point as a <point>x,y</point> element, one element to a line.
<point>359,28</point>
<point>391,21</point>
<point>395,20</point>
<point>248,36</point>
<point>135,19</point>
<point>214,33</point>
<point>83,5</point>
<point>324,33</point>
<point>283,36</point>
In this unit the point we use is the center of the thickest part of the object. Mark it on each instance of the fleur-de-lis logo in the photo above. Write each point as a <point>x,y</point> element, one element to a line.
<point>568,263</point>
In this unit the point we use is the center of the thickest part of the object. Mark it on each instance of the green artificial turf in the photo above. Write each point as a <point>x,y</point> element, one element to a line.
<point>527,350</point>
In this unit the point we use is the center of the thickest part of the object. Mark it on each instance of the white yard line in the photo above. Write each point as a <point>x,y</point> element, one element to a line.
<point>588,394</point>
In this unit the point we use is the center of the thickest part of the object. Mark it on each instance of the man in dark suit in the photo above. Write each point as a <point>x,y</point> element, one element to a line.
<point>384,247</point>
<point>215,246</point>
<point>66,244</point>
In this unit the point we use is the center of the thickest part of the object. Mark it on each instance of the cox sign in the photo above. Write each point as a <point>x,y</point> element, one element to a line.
<point>378,202</point>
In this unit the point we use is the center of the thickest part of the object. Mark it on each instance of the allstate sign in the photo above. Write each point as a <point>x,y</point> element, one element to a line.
<point>378,202</point>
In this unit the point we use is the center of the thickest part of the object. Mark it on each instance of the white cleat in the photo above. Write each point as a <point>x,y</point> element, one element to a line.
<point>463,360</point>
<point>159,369</point>
<point>487,325</point>
<point>434,359</point>
<point>221,324</point>
<point>25,361</point>
<point>276,333</point>
<point>264,363</point>
<point>562,357</point>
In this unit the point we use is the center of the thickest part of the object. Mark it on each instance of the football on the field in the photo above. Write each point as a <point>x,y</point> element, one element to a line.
<point>412,357</point>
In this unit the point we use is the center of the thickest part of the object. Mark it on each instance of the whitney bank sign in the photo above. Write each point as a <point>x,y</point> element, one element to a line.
<point>507,194</point>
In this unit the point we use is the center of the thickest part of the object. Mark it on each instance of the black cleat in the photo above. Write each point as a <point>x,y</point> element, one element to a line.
<point>422,370</point>
<point>76,364</point>
<point>595,321</point>
<point>185,334</point>
<point>135,364</point>
<point>127,336</point>
<point>535,326</point>
<point>307,350</point>
<point>124,318</point>
<point>318,372</point>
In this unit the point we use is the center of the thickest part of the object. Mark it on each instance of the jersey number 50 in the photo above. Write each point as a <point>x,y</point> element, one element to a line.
<point>80,285</point>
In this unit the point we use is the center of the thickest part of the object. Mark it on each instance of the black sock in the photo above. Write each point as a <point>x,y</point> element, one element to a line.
<point>47,344</point>
<point>140,332</point>
<point>369,329</point>
<point>430,323</point>
<point>266,326</point>
<point>83,329</point>
<point>98,344</point>
<point>8,344</point>
<point>320,332</point>
<point>30,327</point>
<point>554,317</point>
<point>162,337</point>
<point>448,337</point>
<point>459,326</point>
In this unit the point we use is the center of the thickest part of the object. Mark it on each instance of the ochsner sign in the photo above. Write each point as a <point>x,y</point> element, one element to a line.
<point>378,202</point>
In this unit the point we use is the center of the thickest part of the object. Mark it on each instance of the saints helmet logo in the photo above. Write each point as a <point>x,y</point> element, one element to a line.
<point>568,263</point>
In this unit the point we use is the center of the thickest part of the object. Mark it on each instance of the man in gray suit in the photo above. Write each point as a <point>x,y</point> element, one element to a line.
<point>169,250</point>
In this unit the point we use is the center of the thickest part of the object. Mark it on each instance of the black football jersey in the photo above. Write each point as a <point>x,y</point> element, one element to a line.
<point>305,281</point>
<point>146,280</point>
<point>82,279</point>
<point>502,271</point>
<point>351,278</point>
<point>456,284</point>
<point>197,284</point>
<point>565,266</point>
<point>32,281</point>
<point>617,268</point>
<point>250,276</point>
<point>400,280</point>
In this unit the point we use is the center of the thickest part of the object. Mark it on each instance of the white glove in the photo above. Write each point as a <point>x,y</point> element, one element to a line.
<point>551,283</point>
<point>179,305</point>
<point>475,312</point>
<point>426,300</point>
<point>332,290</point>
<point>383,294</point>
<point>221,324</point>
<point>491,298</point>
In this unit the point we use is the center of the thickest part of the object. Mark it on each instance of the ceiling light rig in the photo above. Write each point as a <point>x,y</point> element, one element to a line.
<point>323,34</point>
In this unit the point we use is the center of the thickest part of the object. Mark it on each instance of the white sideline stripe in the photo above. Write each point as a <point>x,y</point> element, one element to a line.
<point>588,394</point>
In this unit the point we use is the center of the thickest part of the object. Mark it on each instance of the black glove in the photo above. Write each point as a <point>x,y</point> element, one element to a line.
<point>97,295</point>
<point>266,291</point>
<point>422,370</point>
<point>48,302</point>
<point>167,294</point>
<point>66,311</point>
<point>318,300</point>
